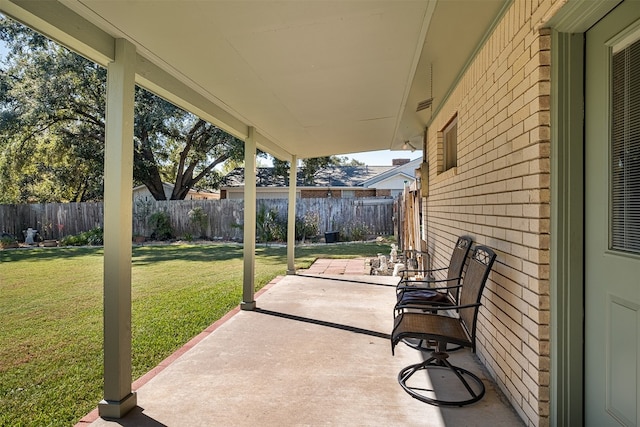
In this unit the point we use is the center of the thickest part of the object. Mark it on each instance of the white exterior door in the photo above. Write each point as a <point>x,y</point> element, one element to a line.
<point>612,219</point>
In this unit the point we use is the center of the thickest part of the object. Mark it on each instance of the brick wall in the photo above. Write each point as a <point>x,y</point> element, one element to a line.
<point>310,194</point>
<point>499,194</point>
<point>337,194</point>
<point>371,192</point>
<point>383,193</point>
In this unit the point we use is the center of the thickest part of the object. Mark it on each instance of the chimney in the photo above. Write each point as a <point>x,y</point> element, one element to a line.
<point>399,162</point>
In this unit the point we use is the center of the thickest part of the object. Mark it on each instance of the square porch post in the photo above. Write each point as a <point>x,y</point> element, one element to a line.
<point>118,184</point>
<point>291,216</point>
<point>249,242</point>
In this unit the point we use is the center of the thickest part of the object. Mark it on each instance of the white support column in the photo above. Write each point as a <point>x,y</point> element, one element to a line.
<point>249,255</point>
<point>291,217</point>
<point>118,184</point>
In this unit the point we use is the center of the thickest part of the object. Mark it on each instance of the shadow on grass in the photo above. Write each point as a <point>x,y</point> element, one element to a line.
<point>141,255</point>
<point>200,253</point>
<point>208,252</point>
<point>40,254</point>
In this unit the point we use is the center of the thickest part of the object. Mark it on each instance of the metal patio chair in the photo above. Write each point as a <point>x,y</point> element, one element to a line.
<point>443,325</point>
<point>406,286</point>
<point>421,294</point>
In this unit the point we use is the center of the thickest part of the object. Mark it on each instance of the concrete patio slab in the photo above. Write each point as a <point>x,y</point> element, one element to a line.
<point>352,267</point>
<point>315,352</point>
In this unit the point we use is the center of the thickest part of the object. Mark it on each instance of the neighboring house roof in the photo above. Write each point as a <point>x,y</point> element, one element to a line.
<point>330,176</point>
<point>406,170</point>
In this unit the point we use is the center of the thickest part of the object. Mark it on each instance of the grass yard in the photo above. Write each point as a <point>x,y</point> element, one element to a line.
<point>51,316</point>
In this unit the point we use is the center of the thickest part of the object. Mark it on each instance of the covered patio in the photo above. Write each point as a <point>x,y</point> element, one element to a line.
<point>505,99</point>
<point>315,351</point>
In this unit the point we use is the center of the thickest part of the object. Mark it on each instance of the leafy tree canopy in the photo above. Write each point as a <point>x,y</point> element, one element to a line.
<point>309,167</point>
<point>52,129</point>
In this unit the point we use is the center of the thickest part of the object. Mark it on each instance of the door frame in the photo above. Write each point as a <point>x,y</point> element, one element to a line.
<point>566,378</point>
<point>567,230</point>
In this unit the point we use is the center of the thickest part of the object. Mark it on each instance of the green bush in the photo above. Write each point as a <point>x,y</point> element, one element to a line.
<point>94,237</point>
<point>359,232</point>
<point>8,241</point>
<point>160,226</point>
<point>353,231</point>
<point>269,227</point>
<point>307,226</point>
<point>198,220</point>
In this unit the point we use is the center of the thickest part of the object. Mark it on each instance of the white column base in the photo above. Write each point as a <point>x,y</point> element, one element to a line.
<point>113,409</point>
<point>248,305</point>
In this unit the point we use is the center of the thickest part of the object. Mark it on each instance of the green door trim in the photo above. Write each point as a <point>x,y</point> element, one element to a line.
<point>567,207</point>
<point>567,229</point>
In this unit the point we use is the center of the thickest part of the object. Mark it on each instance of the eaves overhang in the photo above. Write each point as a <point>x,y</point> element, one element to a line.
<point>312,78</point>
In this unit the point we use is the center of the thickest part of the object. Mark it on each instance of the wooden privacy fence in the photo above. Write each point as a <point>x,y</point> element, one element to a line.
<point>224,218</point>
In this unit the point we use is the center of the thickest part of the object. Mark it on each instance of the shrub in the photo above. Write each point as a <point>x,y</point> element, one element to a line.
<point>308,226</point>
<point>359,231</point>
<point>160,226</point>
<point>8,241</point>
<point>269,227</point>
<point>198,219</point>
<point>94,237</point>
<point>353,231</point>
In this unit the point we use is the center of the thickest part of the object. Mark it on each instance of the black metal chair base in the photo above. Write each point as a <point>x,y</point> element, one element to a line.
<point>438,360</point>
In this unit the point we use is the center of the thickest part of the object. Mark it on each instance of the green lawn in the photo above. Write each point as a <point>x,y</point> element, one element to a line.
<point>51,316</point>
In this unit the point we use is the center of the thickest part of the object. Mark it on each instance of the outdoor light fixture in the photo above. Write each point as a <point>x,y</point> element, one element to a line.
<point>408,144</point>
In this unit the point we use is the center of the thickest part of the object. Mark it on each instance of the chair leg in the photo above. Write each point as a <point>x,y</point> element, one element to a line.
<point>438,360</point>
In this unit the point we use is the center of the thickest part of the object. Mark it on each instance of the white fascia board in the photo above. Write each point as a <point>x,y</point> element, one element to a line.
<point>64,26</point>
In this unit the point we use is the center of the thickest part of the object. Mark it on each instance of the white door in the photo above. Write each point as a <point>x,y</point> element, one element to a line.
<point>612,219</point>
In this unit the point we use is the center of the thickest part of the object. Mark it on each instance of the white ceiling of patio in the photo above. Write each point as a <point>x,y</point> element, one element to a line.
<point>313,77</point>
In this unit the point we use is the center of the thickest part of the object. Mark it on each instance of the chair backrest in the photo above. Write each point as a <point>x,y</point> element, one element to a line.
<point>473,284</point>
<point>456,264</point>
<point>459,257</point>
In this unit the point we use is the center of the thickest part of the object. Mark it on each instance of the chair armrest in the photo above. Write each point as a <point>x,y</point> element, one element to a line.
<point>434,308</point>
<point>429,308</point>
<point>406,284</point>
<point>428,280</point>
<point>409,270</point>
<point>437,299</point>
<point>408,290</point>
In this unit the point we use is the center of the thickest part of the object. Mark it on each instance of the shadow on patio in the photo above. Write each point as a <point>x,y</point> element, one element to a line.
<point>315,352</point>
